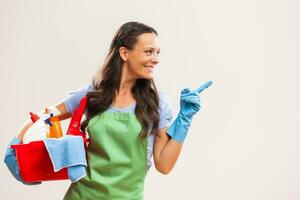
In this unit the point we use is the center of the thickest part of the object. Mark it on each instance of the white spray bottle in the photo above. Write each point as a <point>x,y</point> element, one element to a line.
<point>37,131</point>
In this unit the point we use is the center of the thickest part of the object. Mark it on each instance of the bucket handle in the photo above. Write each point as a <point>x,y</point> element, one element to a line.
<point>74,126</point>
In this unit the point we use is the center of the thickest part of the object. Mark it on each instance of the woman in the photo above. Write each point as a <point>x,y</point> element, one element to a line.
<point>127,120</point>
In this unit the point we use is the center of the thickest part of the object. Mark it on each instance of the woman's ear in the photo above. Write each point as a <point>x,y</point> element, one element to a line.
<point>123,53</point>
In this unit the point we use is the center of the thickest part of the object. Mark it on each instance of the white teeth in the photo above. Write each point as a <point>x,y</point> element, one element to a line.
<point>150,69</point>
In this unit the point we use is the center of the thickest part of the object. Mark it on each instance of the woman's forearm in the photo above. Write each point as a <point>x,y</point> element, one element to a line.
<point>168,156</point>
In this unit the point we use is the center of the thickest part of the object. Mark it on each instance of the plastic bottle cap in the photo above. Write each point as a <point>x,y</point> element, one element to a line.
<point>34,117</point>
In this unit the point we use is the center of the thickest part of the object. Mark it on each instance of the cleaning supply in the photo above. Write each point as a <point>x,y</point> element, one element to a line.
<point>55,128</point>
<point>33,159</point>
<point>37,131</point>
<point>189,106</point>
<point>34,117</point>
<point>68,151</point>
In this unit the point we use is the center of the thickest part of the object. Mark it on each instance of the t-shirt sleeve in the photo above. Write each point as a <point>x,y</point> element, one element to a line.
<point>72,101</point>
<point>165,111</point>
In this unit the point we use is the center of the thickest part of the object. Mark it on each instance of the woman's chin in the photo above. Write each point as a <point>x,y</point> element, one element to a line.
<point>149,77</point>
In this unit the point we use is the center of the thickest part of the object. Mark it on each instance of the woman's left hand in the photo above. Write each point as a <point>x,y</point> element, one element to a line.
<point>189,106</point>
<point>190,102</point>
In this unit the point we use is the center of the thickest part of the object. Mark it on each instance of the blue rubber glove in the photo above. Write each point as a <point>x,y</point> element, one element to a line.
<point>12,164</point>
<point>189,106</point>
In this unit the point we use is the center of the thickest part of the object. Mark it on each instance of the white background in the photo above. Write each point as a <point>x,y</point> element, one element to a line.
<point>244,143</point>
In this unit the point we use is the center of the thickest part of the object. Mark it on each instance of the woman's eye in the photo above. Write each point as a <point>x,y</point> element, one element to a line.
<point>149,52</point>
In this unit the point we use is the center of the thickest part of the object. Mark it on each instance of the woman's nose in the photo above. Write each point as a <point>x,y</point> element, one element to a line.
<point>155,59</point>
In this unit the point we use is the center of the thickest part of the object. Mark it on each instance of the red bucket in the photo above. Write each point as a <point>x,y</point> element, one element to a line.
<point>35,164</point>
<point>33,158</point>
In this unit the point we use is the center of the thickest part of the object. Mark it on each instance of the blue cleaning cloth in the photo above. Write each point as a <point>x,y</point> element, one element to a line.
<point>68,151</point>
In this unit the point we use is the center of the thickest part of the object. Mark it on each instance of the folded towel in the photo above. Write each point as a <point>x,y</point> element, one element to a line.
<point>68,151</point>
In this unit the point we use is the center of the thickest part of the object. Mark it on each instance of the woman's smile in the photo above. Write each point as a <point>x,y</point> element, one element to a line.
<point>150,68</point>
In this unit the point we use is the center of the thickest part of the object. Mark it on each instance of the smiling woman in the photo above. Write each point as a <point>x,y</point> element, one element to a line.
<point>126,119</point>
<point>124,114</point>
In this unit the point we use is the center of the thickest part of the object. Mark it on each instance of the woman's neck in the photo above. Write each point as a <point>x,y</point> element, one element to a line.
<point>127,82</point>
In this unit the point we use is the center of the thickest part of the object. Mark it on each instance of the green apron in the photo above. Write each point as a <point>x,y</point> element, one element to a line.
<point>117,160</point>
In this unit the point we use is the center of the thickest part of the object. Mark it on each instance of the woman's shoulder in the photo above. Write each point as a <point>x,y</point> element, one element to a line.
<point>84,88</point>
<point>163,98</point>
<point>165,110</point>
<point>74,97</point>
<point>165,104</point>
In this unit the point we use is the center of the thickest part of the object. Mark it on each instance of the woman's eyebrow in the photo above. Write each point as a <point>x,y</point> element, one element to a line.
<point>153,48</point>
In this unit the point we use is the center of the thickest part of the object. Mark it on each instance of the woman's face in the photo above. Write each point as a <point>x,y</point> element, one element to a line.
<point>144,56</point>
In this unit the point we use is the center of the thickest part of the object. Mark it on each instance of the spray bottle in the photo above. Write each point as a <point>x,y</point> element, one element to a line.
<point>55,130</point>
<point>37,131</point>
<point>55,127</point>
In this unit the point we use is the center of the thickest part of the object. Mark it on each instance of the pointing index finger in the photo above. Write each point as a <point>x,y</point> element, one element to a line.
<point>203,87</point>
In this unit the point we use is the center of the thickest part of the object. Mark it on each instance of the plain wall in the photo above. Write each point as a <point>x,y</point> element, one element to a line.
<point>243,144</point>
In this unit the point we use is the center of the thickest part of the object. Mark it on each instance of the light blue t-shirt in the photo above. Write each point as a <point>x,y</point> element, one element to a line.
<point>165,112</point>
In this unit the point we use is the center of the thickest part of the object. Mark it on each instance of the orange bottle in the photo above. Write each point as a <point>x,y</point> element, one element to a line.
<point>55,129</point>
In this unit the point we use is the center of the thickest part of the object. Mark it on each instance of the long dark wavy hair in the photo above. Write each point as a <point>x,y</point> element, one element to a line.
<point>107,81</point>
